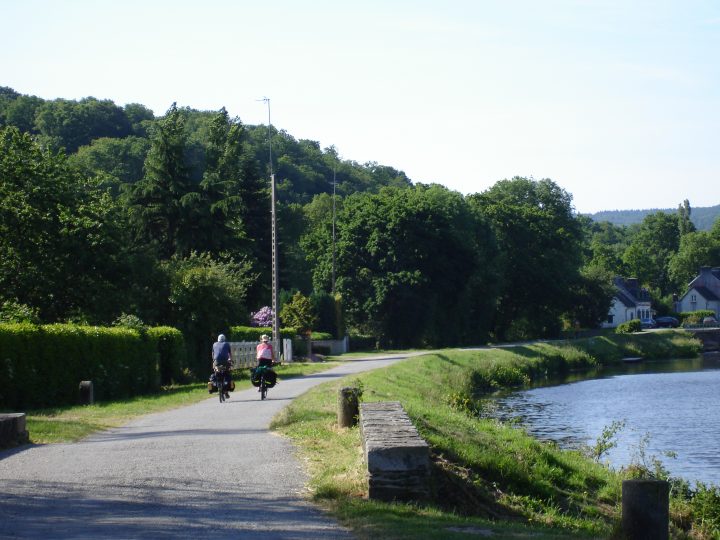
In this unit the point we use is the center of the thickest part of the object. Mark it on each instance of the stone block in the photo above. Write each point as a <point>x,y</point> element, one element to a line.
<point>13,429</point>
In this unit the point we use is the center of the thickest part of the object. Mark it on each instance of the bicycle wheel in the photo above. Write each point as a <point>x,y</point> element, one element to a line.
<point>221,385</point>
<point>263,388</point>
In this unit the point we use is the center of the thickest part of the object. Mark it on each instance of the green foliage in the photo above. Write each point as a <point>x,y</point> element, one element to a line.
<point>253,333</point>
<point>415,266</point>
<point>540,242</point>
<point>206,294</point>
<point>360,342</point>
<point>299,313</point>
<point>629,327</point>
<point>43,365</point>
<point>651,249</point>
<point>689,318</point>
<point>170,345</point>
<point>14,312</point>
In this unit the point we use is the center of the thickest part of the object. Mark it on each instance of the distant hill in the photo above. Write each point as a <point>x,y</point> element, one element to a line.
<point>703,218</point>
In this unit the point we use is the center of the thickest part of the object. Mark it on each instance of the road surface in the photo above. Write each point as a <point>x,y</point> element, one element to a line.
<point>209,470</point>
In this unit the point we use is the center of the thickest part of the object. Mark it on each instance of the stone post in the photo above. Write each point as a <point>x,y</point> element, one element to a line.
<point>86,393</point>
<point>646,509</point>
<point>348,407</point>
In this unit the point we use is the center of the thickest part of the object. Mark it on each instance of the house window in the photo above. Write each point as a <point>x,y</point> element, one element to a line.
<point>610,318</point>
<point>693,298</point>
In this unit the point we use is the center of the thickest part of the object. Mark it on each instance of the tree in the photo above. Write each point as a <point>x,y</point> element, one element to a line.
<point>540,243</point>
<point>161,203</point>
<point>206,295</point>
<point>116,161</point>
<point>696,249</point>
<point>650,250</point>
<point>414,266</point>
<point>72,124</point>
<point>684,223</point>
<point>299,313</point>
<point>62,245</point>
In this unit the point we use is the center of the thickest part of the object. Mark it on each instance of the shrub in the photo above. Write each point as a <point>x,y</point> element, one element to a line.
<point>363,343</point>
<point>253,333</point>
<point>695,317</point>
<point>629,327</point>
<point>170,345</point>
<point>43,365</point>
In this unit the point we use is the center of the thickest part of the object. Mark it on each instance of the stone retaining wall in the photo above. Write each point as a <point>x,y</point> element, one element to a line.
<point>397,458</point>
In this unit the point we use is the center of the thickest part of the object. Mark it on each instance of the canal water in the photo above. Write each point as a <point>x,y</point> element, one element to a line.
<point>667,406</point>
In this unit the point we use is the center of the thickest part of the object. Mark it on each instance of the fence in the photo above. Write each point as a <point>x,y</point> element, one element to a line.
<point>243,352</point>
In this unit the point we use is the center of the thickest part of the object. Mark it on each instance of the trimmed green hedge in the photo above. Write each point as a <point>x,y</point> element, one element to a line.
<point>170,344</point>
<point>695,317</point>
<point>253,333</point>
<point>42,366</point>
<point>363,343</point>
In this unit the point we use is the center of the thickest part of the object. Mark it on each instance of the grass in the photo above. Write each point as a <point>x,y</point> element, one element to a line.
<point>68,424</point>
<point>487,476</point>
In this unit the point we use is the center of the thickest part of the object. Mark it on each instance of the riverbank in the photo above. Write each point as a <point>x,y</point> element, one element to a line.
<point>488,476</point>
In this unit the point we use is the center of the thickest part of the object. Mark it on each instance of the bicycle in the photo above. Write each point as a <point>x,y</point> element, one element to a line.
<point>221,381</point>
<point>263,377</point>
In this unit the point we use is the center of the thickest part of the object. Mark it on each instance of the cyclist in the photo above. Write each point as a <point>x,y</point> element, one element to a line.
<point>265,354</point>
<point>221,356</point>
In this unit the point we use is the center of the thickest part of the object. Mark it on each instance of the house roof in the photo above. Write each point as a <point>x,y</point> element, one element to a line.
<point>626,299</point>
<point>706,293</point>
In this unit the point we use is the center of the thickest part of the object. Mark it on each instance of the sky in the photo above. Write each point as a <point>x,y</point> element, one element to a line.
<point>616,101</point>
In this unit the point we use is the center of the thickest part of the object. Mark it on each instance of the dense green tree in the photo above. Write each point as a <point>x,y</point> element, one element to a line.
<point>414,266</point>
<point>162,203</point>
<point>696,249</point>
<point>684,212</point>
<point>650,250</point>
<point>61,238</point>
<point>115,161</point>
<point>20,111</point>
<point>540,242</point>
<point>207,296</point>
<point>72,124</point>
<point>140,118</point>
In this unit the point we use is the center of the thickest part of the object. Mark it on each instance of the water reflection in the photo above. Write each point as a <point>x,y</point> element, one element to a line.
<point>676,404</point>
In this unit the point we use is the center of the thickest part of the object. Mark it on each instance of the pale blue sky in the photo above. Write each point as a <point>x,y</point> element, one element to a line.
<point>616,101</point>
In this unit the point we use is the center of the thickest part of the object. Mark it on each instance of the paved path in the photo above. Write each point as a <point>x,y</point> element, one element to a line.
<point>186,473</point>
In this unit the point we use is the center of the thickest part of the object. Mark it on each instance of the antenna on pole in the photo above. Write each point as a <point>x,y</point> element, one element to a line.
<point>276,320</point>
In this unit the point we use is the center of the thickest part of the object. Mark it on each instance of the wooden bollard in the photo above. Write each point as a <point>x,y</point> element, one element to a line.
<point>646,509</point>
<point>86,393</point>
<point>348,406</point>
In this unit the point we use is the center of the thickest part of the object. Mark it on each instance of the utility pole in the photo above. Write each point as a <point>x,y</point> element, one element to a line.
<point>333,234</point>
<point>276,320</point>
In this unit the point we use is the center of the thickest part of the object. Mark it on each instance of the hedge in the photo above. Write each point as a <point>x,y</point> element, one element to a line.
<point>170,344</point>
<point>253,333</point>
<point>42,366</point>
<point>695,317</point>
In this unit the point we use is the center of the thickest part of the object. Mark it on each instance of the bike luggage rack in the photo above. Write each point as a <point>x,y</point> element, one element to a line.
<point>397,458</point>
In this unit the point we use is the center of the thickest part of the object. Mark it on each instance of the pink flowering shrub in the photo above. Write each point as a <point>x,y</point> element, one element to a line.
<point>262,317</point>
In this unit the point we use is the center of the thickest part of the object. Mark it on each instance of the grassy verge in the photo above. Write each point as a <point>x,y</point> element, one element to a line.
<point>68,424</point>
<point>489,478</point>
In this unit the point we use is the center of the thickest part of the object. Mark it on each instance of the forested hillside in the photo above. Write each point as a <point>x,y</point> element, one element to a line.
<point>703,218</point>
<point>110,214</point>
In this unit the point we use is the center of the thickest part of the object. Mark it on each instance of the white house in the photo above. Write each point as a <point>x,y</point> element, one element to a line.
<point>630,302</point>
<point>703,292</point>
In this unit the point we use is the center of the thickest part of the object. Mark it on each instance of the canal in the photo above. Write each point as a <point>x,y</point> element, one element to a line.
<point>666,406</point>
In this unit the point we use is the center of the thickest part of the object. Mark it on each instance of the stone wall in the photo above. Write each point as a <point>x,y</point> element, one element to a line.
<point>397,458</point>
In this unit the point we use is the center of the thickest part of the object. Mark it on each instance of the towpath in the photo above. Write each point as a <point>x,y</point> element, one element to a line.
<point>209,470</point>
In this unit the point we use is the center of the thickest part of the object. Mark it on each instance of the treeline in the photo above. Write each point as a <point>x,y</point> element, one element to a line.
<point>108,212</point>
<point>703,218</point>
